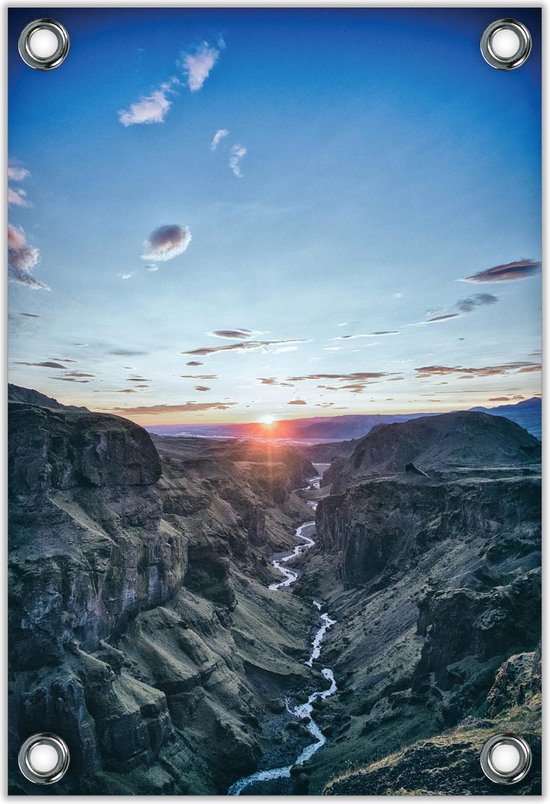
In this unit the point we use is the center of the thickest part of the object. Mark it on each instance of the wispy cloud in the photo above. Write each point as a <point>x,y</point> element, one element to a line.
<point>17,173</point>
<point>186,407</point>
<point>18,197</point>
<point>167,242</point>
<point>51,364</point>
<point>242,346</point>
<point>463,307</point>
<point>127,276</point>
<point>483,371</point>
<point>238,152</point>
<point>355,382</point>
<point>198,65</point>
<point>194,363</point>
<point>199,376</point>
<point>22,258</point>
<point>233,334</point>
<point>477,300</point>
<point>218,137</point>
<point>437,318</point>
<point>69,379</point>
<point>126,352</point>
<point>201,388</point>
<point>297,402</point>
<point>151,108</point>
<point>152,268</point>
<point>377,334</point>
<point>357,375</point>
<point>507,273</point>
<point>274,381</point>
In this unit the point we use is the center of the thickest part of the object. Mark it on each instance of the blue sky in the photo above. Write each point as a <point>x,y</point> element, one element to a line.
<point>373,162</point>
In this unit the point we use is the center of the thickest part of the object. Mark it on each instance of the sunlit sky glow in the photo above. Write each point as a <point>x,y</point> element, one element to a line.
<point>244,215</point>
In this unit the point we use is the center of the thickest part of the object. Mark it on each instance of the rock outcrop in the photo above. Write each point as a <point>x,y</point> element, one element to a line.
<point>125,576</point>
<point>435,586</point>
<point>28,396</point>
<point>448,442</point>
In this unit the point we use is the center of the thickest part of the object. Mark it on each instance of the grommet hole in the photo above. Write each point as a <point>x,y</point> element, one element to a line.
<point>43,758</point>
<point>43,44</point>
<point>505,43</point>
<point>505,758</point>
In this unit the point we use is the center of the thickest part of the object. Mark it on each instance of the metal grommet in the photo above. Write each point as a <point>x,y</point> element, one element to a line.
<point>514,48</point>
<point>44,44</point>
<point>505,759</point>
<point>44,758</point>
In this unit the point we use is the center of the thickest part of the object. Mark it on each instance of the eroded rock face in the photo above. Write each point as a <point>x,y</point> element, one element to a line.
<point>88,551</point>
<point>85,529</point>
<point>451,441</point>
<point>449,764</point>
<point>121,603</point>
<point>379,525</point>
<point>435,586</point>
<point>64,449</point>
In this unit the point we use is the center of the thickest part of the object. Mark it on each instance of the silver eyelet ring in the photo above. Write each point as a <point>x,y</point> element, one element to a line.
<point>490,767</point>
<point>54,59</point>
<point>48,775</point>
<point>506,62</point>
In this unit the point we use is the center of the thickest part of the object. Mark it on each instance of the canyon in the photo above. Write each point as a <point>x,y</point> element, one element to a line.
<point>149,626</point>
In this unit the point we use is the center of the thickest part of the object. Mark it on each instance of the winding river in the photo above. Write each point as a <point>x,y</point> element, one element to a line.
<point>302,711</point>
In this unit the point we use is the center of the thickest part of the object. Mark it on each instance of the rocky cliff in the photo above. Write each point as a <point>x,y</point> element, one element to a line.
<point>130,613</point>
<point>448,442</point>
<point>435,585</point>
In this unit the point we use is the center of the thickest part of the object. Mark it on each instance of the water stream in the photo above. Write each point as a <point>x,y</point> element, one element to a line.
<point>302,711</point>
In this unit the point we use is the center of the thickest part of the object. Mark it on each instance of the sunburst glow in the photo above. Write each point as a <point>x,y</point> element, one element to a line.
<point>268,420</point>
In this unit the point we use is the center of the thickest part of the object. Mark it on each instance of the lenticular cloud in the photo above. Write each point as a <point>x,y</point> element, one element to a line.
<point>167,242</point>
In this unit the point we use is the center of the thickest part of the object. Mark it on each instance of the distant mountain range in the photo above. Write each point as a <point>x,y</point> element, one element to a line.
<point>528,414</point>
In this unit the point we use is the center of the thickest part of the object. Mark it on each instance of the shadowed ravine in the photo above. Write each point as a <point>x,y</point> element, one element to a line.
<point>302,711</point>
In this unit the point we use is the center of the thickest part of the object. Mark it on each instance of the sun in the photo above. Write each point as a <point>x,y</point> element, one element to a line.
<point>267,420</point>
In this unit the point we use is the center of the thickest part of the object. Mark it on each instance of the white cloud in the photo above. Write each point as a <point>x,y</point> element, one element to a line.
<point>18,197</point>
<point>151,108</point>
<point>16,173</point>
<point>218,137</point>
<point>152,268</point>
<point>22,258</point>
<point>127,276</point>
<point>197,65</point>
<point>167,242</point>
<point>238,152</point>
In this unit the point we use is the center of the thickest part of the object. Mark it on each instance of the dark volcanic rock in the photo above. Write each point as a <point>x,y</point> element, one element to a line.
<point>482,624</point>
<point>379,525</point>
<point>441,766</point>
<point>64,449</point>
<point>29,396</point>
<point>518,681</point>
<point>434,582</point>
<point>449,441</point>
<point>122,599</point>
